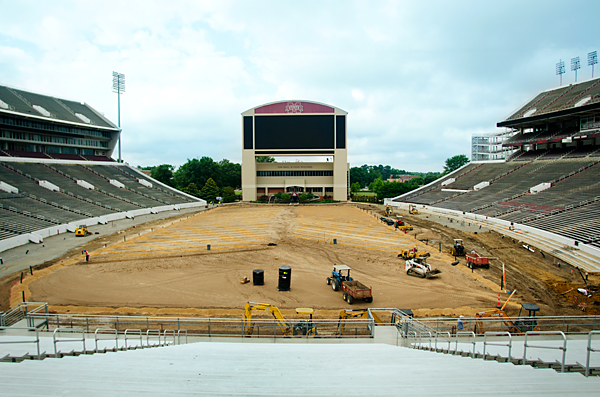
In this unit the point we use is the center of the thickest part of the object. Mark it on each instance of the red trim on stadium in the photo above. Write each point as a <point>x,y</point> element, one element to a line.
<point>293,107</point>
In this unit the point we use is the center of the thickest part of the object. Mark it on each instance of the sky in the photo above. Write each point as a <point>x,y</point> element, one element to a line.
<point>417,78</point>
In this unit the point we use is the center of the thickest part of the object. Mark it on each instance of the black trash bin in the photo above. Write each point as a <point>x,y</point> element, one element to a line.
<point>258,277</point>
<point>285,278</point>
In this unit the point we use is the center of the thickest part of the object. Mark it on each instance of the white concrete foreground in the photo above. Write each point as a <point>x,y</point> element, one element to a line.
<point>315,369</point>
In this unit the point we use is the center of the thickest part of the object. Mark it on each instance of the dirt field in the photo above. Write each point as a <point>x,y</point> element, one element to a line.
<point>167,269</point>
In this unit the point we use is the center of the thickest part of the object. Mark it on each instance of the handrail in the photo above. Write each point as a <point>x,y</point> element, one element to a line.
<point>179,336</point>
<point>590,350</point>
<point>67,330</point>
<point>103,331</point>
<point>170,331</point>
<point>149,333</point>
<point>509,345</point>
<point>449,339</point>
<point>471,333</point>
<point>563,347</point>
<point>36,341</point>
<point>137,332</point>
<point>415,338</point>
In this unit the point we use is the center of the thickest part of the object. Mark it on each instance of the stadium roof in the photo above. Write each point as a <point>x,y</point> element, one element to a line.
<point>14,101</point>
<point>563,101</point>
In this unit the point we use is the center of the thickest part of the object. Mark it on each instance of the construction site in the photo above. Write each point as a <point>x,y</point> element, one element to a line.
<point>197,265</point>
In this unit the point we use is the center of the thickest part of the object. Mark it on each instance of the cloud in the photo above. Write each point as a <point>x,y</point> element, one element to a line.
<point>418,79</point>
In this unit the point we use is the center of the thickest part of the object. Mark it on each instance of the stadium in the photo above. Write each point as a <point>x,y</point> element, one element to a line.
<point>167,276</point>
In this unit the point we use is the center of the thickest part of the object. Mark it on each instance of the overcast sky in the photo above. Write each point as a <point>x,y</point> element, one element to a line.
<point>417,78</point>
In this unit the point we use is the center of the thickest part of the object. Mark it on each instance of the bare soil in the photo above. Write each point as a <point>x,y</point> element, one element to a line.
<point>169,271</point>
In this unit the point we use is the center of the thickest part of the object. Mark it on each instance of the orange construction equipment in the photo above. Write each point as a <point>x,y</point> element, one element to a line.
<point>519,326</point>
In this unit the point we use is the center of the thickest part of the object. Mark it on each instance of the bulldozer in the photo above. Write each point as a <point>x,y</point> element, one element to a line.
<point>412,209</point>
<point>457,249</point>
<point>519,326</point>
<point>82,231</point>
<point>353,314</point>
<point>418,267</point>
<point>303,328</point>
<point>413,253</point>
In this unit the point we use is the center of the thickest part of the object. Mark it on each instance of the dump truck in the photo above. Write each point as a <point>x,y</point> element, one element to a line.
<point>474,260</point>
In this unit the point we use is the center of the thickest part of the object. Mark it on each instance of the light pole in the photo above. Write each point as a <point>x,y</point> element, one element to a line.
<point>119,87</point>
<point>575,64</point>
<point>560,69</point>
<point>592,60</point>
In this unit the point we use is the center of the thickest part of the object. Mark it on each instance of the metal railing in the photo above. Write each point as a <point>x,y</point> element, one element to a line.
<point>137,333</point>
<point>179,332</point>
<point>563,347</point>
<point>466,333</point>
<point>36,340</point>
<point>56,340</point>
<point>486,343</point>
<point>21,312</point>
<point>589,351</point>
<point>106,331</point>
<point>210,327</point>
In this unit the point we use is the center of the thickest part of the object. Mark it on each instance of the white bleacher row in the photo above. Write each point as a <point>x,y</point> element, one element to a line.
<point>292,367</point>
<point>36,208</point>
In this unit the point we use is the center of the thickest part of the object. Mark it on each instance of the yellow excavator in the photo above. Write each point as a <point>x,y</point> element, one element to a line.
<point>412,209</point>
<point>389,211</point>
<point>352,314</point>
<point>303,328</point>
<point>413,253</point>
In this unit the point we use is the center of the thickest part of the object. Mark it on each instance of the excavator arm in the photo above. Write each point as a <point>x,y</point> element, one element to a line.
<point>280,321</point>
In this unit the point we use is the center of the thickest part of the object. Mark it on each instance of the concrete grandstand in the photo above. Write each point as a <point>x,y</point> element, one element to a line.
<point>56,172</point>
<point>548,186</point>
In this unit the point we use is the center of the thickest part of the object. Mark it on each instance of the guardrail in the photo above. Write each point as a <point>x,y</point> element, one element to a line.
<point>105,331</point>
<point>569,325</point>
<point>563,347</point>
<point>486,343</point>
<point>36,340</point>
<point>67,330</point>
<point>210,327</point>
<point>137,332</point>
<point>589,351</point>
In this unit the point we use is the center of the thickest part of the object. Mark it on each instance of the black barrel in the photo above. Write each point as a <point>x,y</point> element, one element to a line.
<point>285,278</point>
<point>258,277</point>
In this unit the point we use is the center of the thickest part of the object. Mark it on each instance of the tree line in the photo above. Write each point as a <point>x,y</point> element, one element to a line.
<point>208,179</point>
<point>204,178</point>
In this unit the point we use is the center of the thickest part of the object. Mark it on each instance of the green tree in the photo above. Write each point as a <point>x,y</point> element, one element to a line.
<point>228,194</point>
<point>191,189</point>
<point>265,159</point>
<point>163,173</point>
<point>355,187</point>
<point>454,163</point>
<point>210,190</point>
<point>376,185</point>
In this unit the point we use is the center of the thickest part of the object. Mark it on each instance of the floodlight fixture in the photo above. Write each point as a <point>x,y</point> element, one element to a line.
<point>592,60</point>
<point>560,69</point>
<point>575,64</point>
<point>119,87</point>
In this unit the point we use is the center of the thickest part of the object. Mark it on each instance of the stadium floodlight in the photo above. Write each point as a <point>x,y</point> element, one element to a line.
<point>592,60</point>
<point>119,87</point>
<point>560,69</point>
<point>575,64</point>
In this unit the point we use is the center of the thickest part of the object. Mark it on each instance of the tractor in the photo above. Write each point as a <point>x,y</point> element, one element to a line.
<point>458,249</point>
<point>337,276</point>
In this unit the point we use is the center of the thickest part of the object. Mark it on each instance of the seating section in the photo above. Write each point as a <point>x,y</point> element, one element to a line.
<point>570,207</point>
<point>34,207</point>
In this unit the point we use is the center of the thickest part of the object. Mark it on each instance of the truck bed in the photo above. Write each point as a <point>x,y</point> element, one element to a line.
<point>357,289</point>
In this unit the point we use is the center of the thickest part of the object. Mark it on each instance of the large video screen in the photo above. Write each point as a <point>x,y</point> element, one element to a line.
<point>294,132</point>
